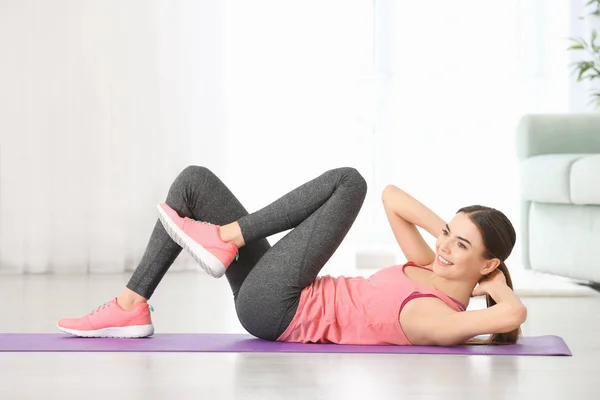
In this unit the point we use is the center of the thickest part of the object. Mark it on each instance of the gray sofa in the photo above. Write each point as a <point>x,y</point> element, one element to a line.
<point>559,158</point>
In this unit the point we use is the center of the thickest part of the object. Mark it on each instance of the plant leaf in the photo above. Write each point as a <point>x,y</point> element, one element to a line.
<point>594,75</point>
<point>583,68</point>
<point>575,47</point>
<point>595,99</point>
<point>579,41</point>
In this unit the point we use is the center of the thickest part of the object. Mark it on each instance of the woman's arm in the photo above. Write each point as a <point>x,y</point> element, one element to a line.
<point>429,321</point>
<point>405,214</point>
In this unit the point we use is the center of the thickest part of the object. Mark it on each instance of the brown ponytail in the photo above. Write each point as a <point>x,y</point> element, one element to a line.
<point>499,239</point>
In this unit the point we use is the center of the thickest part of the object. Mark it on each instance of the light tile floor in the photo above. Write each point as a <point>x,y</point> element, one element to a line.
<point>190,302</point>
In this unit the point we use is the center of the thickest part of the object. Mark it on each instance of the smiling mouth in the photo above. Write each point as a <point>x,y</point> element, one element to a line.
<point>442,261</point>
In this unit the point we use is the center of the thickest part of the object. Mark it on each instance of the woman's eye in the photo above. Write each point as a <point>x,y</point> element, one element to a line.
<point>445,232</point>
<point>461,245</point>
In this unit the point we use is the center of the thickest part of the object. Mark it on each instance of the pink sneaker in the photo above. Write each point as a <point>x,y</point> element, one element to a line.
<point>110,320</point>
<point>200,239</point>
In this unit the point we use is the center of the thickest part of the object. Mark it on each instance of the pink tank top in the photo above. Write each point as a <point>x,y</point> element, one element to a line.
<point>363,311</point>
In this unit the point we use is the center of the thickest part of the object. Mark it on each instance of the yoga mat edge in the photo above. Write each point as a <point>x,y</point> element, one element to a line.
<point>549,345</point>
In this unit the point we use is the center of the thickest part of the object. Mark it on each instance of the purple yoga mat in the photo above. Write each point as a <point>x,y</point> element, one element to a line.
<point>242,343</point>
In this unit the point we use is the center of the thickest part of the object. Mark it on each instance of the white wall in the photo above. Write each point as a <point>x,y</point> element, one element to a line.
<point>460,85</point>
<point>299,88</point>
<point>102,104</point>
<point>430,105</point>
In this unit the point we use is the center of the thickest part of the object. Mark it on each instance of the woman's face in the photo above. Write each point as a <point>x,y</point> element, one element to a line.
<point>459,251</point>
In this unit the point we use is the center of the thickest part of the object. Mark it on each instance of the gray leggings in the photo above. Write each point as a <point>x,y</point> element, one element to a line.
<point>266,281</point>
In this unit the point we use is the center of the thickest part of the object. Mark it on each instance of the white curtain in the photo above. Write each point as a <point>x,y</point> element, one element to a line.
<point>102,104</point>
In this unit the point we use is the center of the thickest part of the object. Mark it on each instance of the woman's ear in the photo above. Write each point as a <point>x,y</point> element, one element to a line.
<point>489,266</point>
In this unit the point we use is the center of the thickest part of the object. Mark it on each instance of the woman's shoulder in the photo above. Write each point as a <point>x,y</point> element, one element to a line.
<point>411,263</point>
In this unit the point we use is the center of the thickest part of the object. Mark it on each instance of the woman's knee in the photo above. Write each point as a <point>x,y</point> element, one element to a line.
<point>185,184</point>
<point>352,178</point>
<point>193,173</point>
<point>190,176</point>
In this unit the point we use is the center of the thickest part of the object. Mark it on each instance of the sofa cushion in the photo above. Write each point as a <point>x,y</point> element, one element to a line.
<point>585,180</point>
<point>561,179</point>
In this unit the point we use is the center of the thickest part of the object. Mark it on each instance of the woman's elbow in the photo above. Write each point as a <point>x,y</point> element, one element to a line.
<point>386,192</point>
<point>512,317</point>
<point>515,317</point>
<point>390,194</point>
<point>519,315</point>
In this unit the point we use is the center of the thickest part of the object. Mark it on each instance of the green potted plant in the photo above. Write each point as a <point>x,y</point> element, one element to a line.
<point>588,68</point>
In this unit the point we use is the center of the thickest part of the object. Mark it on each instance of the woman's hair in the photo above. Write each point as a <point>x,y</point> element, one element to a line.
<point>499,238</point>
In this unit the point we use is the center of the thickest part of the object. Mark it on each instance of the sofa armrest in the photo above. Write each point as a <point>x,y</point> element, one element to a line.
<point>558,134</point>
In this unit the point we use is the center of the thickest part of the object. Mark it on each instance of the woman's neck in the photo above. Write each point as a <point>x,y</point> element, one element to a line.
<point>458,290</point>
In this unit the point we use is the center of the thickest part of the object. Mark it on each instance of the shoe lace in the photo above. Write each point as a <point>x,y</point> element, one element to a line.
<point>102,307</point>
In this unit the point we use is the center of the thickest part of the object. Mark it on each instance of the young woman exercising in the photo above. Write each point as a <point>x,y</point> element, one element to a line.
<point>277,292</point>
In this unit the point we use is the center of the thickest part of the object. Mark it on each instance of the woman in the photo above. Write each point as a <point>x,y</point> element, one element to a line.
<point>278,295</point>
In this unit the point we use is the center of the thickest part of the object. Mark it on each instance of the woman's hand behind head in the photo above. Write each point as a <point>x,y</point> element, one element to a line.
<point>493,279</point>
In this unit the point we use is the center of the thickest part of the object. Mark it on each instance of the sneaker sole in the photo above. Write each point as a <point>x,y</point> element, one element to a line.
<point>128,332</point>
<point>209,263</point>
